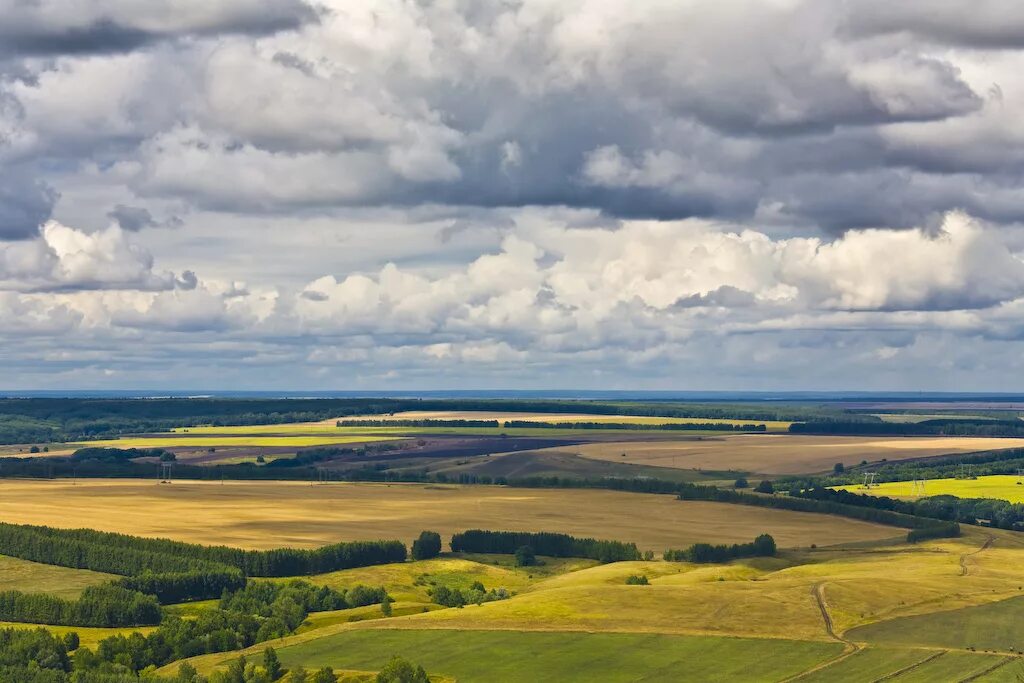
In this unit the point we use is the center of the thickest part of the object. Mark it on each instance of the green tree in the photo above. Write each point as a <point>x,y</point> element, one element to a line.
<point>298,675</point>
<point>741,483</point>
<point>71,641</point>
<point>272,664</point>
<point>385,606</point>
<point>428,545</point>
<point>838,468</point>
<point>399,670</point>
<point>765,486</point>
<point>187,674</point>
<point>324,675</point>
<point>525,556</point>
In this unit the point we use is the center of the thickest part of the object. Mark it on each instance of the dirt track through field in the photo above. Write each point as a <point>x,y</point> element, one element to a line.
<point>964,571</point>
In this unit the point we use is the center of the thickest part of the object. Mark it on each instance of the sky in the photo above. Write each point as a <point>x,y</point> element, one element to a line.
<point>513,194</point>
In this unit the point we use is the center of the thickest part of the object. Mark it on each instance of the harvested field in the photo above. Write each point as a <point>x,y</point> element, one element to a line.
<point>273,514</point>
<point>783,453</point>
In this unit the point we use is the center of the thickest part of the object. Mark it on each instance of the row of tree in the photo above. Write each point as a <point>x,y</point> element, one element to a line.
<point>102,606</point>
<point>762,546</point>
<point>132,555</point>
<point>418,423</point>
<point>543,543</point>
<point>936,427</point>
<point>638,426</point>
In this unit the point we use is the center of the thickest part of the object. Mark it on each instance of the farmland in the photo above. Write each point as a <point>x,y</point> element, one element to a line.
<point>175,441</point>
<point>782,454</point>
<point>999,486</point>
<point>505,416</point>
<point>905,609</point>
<point>271,514</point>
<point>838,598</point>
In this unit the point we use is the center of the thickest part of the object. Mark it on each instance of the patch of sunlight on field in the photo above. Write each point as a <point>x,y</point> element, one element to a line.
<point>410,581</point>
<point>88,636</point>
<point>320,620</point>
<point>1001,486</point>
<point>613,574</point>
<point>173,441</point>
<point>743,608</point>
<point>33,577</point>
<point>503,416</point>
<point>866,587</point>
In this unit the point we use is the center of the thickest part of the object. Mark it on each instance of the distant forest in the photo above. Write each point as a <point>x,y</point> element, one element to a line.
<point>43,420</point>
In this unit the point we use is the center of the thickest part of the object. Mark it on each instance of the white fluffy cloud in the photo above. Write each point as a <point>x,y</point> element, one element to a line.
<point>539,192</point>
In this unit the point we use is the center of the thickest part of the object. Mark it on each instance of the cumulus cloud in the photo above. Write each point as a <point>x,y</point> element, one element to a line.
<point>64,258</point>
<point>577,190</point>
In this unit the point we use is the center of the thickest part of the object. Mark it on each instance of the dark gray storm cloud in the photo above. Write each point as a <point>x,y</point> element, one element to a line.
<point>25,204</point>
<point>980,23</point>
<point>44,28</point>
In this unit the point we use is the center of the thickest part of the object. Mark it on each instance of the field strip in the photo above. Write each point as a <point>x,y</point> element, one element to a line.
<point>899,672</point>
<point>963,558</point>
<point>1001,663</point>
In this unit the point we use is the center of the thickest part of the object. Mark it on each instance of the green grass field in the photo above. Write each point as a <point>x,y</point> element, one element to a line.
<point>1003,486</point>
<point>950,666</point>
<point>994,626</point>
<point>32,577</point>
<point>516,657</point>
<point>869,664</point>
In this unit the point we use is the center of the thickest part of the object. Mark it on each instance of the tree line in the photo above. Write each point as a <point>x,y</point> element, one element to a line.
<point>762,546</point>
<point>41,420</point>
<point>131,555</point>
<point>935,427</point>
<point>543,543</point>
<point>637,426</point>
<point>418,423</point>
<point>103,605</point>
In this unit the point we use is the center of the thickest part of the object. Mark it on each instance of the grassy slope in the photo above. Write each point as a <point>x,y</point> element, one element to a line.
<point>994,626</point>
<point>512,657</point>
<point>32,577</point>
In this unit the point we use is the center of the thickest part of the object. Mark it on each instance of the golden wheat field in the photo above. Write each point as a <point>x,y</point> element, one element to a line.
<point>274,514</point>
<point>782,453</point>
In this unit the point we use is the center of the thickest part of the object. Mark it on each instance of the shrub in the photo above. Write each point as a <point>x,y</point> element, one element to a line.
<point>636,580</point>
<point>525,556</point>
<point>765,486</point>
<point>399,670</point>
<point>741,483</point>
